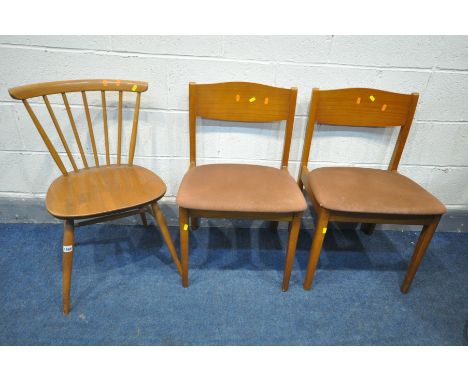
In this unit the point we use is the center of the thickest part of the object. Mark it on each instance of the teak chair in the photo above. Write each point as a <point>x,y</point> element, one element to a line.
<point>240,190</point>
<point>104,191</point>
<point>364,195</point>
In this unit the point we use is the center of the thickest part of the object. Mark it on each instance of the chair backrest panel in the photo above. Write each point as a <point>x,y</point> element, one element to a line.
<point>242,102</point>
<point>362,107</point>
<point>63,87</point>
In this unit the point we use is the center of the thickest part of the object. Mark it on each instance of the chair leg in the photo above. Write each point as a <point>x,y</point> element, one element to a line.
<point>291,252</point>
<point>67,263</point>
<point>368,228</point>
<point>143,219</point>
<point>166,234</point>
<point>194,223</point>
<point>418,254</point>
<point>300,184</point>
<point>274,225</point>
<point>184,238</point>
<point>319,235</point>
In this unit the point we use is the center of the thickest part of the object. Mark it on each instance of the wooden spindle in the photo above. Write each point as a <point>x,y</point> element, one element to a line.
<point>131,153</point>
<point>59,132</point>
<point>106,130</point>
<point>45,138</point>
<point>119,136</point>
<point>90,128</point>
<point>75,131</point>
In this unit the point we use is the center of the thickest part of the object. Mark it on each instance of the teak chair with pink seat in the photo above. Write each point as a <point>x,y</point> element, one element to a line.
<point>364,195</point>
<point>240,190</point>
<point>104,191</point>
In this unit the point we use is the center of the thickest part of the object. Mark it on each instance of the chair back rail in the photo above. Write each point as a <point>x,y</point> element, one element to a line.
<point>241,102</point>
<point>25,92</point>
<point>361,107</point>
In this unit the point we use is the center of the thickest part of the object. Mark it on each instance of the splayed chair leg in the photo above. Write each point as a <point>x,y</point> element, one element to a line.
<point>291,252</point>
<point>319,235</point>
<point>159,216</point>
<point>67,262</point>
<point>418,254</point>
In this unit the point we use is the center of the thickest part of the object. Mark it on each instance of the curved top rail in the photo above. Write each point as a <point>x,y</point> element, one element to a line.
<point>362,107</point>
<point>45,88</point>
<point>241,101</point>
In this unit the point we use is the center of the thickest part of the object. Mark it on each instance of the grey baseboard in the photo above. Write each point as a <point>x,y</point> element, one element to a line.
<point>18,210</point>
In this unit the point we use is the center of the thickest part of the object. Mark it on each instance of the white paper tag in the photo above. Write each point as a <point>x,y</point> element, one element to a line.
<point>67,248</point>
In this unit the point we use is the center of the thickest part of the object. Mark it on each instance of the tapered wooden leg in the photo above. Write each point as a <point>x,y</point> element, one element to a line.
<point>368,228</point>
<point>194,223</point>
<point>319,235</point>
<point>291,252</point>
<point>67,263</point>
<point>184,238</point>
<point>418,254</point>
<point>300,184</point>
<point>143,219</point>
<point>166,234</point>
<point>274,225</point>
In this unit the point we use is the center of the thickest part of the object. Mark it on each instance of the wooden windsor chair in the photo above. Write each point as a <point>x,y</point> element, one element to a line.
<point>104,191</point>
<point>240,191</point>
<point>365,195</point>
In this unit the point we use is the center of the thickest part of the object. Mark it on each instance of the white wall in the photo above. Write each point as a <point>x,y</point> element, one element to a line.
<point>436,154</point>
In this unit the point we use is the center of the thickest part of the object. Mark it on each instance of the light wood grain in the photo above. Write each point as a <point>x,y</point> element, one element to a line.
<point>119,127</point>
<point>90,127</point>
<point>75,130</point>
<point>161,220</point>
<point>101,193</point>
<point>103,190</point>
<point>67,262</point>
<point>106,128</point>
<point>57,87</point>
<point>45,138</point>
<point>60,133</point>
<point>131,153</point>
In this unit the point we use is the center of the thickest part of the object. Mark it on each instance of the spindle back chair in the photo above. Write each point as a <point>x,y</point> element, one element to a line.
<point>361,195</point>
<point>104,191</point>
<point>240,190</point>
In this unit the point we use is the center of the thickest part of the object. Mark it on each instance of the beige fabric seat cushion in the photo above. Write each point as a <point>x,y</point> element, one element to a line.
<point>240,188</point>
<point>366,190</point>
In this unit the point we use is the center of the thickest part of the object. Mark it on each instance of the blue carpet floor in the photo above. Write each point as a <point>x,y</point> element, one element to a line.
<point>126,289</point>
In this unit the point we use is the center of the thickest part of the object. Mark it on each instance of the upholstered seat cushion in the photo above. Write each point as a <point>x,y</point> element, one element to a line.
<point>354,189</point>
<point>240,188</point>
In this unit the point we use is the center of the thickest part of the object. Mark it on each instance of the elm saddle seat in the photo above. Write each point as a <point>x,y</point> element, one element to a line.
<point>102,190</point>
<point>240,187</point>
<point>367,190</point>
